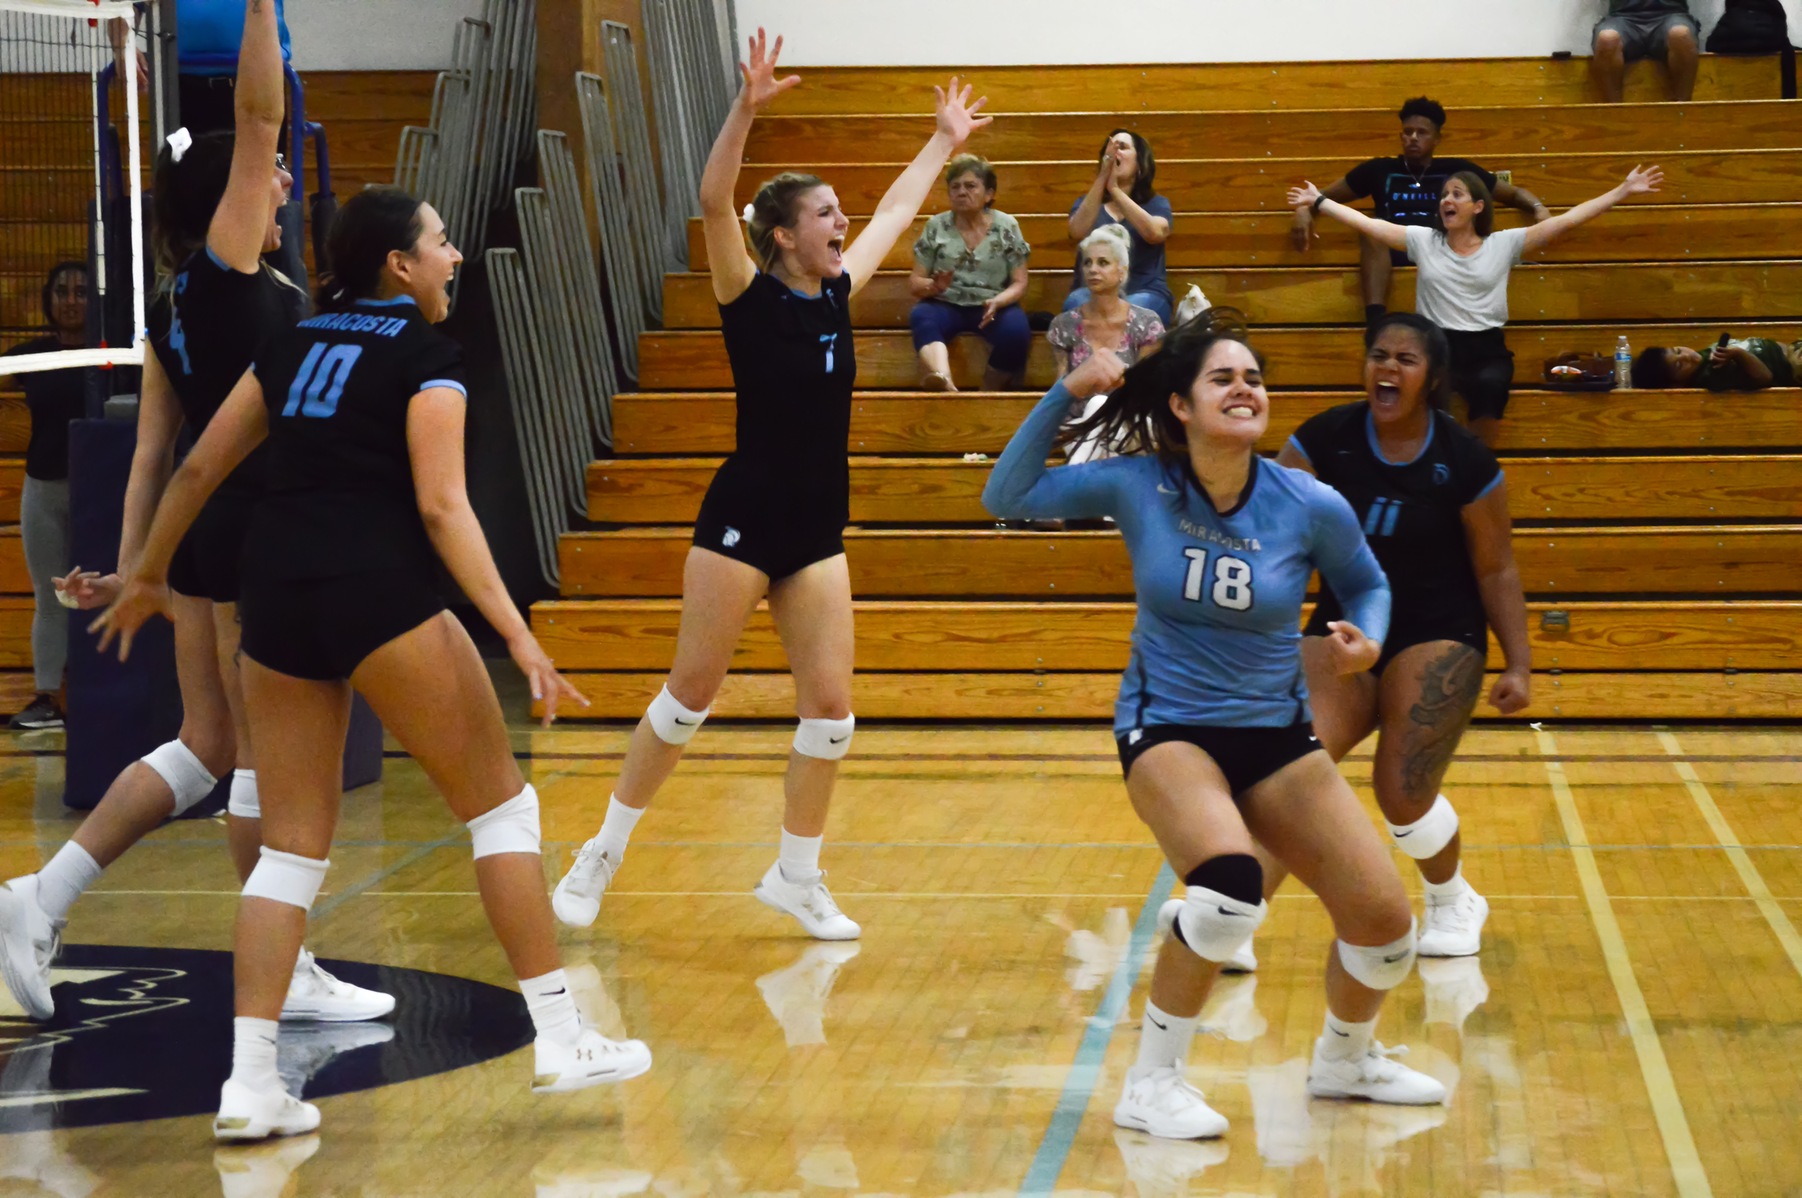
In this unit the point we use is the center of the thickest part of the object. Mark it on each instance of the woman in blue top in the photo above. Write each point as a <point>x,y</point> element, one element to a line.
<point>1212,721</point>
<point>1122,195</point>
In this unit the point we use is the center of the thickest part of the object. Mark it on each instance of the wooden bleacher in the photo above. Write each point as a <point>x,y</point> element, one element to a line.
<point>1658,533</point>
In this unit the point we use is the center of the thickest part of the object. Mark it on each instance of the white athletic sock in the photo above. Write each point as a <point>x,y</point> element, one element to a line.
<point>616,829</point>
<point>552,1006</point>
<point>244,795</point>
<point>800,857</point>
<point>253,1053</point>
<point>62,881</point>
<point>1451,888</point>
<point>1163,1039</point>
<point>1344,1041</point>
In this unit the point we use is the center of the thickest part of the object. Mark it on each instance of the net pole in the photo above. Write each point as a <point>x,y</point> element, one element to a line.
<point>97,285</point>
<point>134,187</point>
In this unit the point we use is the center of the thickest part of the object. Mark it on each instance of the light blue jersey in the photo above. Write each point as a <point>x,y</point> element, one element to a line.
<point>209,32</point>
<point>1217,641</point>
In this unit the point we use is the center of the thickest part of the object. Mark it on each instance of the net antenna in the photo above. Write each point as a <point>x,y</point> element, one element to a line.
<point>52,53</point>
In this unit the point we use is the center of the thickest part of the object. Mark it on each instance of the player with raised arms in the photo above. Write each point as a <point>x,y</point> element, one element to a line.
<point>772,523</point>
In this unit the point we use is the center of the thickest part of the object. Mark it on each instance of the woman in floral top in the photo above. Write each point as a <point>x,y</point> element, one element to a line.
<point>969,274</point>
<point>1105,320</point>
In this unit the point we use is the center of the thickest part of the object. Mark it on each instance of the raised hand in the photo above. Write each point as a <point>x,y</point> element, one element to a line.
<point>548,686</point>
<point>1098,375</point>
<point>957,117</point>
<point>1110,162</point>
<point>760,82</point>
<point>130,611</point>
<point>1640,181</point>
<point>1348,649</point>
<point>1303,196</point>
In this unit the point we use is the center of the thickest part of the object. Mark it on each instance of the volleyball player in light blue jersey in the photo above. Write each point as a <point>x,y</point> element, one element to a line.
<point>1212,722</point>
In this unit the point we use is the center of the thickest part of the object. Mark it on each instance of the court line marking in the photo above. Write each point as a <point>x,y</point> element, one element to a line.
<point>1085,1069</point>
<point>1661,1087</point>
<point>381,875</point>
<point>1749,876</point>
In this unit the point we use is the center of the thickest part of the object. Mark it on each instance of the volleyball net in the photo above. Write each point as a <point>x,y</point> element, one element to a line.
<point>72,182</point>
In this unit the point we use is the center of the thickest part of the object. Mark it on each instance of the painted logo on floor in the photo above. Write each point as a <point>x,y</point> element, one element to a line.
<point>145,1033</point>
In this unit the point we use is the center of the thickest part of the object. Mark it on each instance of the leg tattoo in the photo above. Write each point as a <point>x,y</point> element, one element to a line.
<point>1448,695</point>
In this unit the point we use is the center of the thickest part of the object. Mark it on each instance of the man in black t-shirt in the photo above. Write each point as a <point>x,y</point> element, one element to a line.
<point>1405,189</point>
<point>1636,29</point>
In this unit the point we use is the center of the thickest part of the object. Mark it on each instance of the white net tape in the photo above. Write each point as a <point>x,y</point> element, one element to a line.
<point>71,186</point>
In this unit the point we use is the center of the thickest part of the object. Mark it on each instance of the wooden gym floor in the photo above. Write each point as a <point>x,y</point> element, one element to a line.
<point>1633,1026</point>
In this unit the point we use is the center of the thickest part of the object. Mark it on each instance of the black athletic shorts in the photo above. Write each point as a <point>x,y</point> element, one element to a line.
<point>207,563</point>
<point>1482,370</point>
<point>1466,628</point>
<point>769,541</point>
<point>1246,756</point>
<point>322,628</point>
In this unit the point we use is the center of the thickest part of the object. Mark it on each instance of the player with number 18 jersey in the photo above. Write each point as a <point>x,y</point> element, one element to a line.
<point>1217,640</point>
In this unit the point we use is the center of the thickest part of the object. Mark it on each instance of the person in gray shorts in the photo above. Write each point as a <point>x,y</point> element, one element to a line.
<point>1636,29</point>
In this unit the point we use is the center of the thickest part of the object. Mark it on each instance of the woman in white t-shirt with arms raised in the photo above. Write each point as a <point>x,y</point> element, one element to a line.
<point>1463,275</point>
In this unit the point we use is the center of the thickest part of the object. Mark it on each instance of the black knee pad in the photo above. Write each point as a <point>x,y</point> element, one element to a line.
<point>1236,875</point>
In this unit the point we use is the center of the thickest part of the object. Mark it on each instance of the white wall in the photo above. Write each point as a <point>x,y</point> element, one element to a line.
<point>1002,32</point>
<point>372,35</point>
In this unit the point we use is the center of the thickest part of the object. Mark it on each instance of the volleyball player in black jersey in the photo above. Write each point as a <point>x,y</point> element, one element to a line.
<point>216,201</point>
<point>363,409</point>
<point>773,520</point>
<point>1434,508</point>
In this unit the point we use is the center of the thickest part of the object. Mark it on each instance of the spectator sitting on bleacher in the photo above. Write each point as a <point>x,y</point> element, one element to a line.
<point>54,397</point>
<point>1104,319</point>
<point>969,274</point>
<point>1462,285</point>
<point>1405,191</point>
<point>1122,195</point>
<point>1751,364</point>
<point>1636,29</point>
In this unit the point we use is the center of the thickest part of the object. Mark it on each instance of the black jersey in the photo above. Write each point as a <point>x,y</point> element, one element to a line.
<point>208,329</point>
<point>340,497</point>
<point>54,397</point>
<point>1411,511</point>
<point>793,366</point>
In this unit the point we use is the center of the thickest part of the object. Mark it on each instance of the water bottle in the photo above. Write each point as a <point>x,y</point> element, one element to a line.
<point>1623,364</point>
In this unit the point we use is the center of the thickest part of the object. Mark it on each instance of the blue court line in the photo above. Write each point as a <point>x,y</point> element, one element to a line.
<point>1085,1070</point>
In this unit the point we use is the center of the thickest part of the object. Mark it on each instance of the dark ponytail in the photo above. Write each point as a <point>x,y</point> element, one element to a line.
<point>372,224</point>
<point>184,197</point>
<point>1438,349</point>
<point>1136,419</point>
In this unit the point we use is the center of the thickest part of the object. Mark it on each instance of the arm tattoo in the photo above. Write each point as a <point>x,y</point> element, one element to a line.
<point>1448,695</point>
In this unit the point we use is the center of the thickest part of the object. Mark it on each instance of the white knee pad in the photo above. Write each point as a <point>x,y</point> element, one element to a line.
<point>176,764</point>
<point>673,723</point>
<point>244,802</point>
<point>510,828</point>
<point>286,878</point>
<point>1214,926</point>
<point>828,740</point>
<point>1382,968</point>
<point>1428,835</point>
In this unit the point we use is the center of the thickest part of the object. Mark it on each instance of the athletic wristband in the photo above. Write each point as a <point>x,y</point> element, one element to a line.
<point>1315,206</point>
